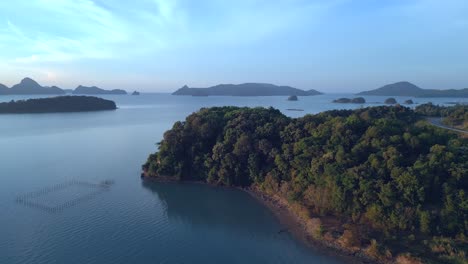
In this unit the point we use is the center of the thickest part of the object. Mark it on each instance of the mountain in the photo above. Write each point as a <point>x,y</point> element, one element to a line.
<point>246,89</point>
<point>29,86</point>
<point>396,89</point>
<point>95,90</point>
<point>3,89</point>
<point>409,89</point>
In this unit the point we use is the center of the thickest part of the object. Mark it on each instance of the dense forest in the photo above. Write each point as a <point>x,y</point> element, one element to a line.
<point>57,104</point>
<point>395,182</point>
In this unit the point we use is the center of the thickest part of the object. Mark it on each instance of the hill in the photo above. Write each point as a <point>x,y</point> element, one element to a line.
<point>29,86</point>
<point>391,183</point>
<point>409,89</point>
<point>57,105</point>
<point>246,89</point>
<point>96,90</point>
<point>396,89</point>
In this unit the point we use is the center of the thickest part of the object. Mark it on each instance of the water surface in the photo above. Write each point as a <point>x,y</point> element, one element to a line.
<point>132,221</point>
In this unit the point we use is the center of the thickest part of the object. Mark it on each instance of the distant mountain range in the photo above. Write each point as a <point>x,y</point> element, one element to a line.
<point>246,89</point>
<point>28,86</point>
<point>95,90</point>
<point>409,89</point>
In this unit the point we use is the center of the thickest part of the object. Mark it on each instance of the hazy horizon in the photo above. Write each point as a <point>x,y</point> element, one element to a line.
<point>337,46</point>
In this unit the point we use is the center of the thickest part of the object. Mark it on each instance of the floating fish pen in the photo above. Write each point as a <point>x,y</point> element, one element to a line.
<point>64,195</point>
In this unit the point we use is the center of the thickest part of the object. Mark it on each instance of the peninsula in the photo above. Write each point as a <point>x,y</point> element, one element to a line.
<point>246,89</point>
<point>57,105</point>
<point>372,182</point>
<point>409,89</point>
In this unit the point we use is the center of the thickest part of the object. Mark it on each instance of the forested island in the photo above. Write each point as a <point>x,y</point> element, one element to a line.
<point>379,182</point>
<point>357,100</point>
<point>245,89</point>
<point>57,105</point>
<point>409,89</point>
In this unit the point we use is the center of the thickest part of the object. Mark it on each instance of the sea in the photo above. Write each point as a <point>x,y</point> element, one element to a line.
<point>71,192</point>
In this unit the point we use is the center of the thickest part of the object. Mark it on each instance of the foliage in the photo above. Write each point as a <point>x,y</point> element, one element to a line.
<point>379,166</point>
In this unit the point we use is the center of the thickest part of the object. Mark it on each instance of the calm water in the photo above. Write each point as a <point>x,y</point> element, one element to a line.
<point>132,221</point>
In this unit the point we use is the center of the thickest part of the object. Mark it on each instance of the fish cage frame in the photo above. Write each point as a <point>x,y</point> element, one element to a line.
<point>32,199</point>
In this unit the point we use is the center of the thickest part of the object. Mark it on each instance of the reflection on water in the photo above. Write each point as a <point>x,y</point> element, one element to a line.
<point>213,207</point>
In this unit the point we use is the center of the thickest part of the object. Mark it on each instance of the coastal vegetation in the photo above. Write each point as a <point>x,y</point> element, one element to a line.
<point>379,181</point>
<point>56,105</point>
<point>454,116</point>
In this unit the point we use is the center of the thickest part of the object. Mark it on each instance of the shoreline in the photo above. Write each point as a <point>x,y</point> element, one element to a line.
<point>291,222</point>
<point>298,229</point>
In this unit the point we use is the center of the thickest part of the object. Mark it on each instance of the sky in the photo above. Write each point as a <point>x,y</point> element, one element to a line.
<point>160,45</point>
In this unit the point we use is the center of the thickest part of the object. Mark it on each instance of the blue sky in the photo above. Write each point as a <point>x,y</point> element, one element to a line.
<point>160,45</point>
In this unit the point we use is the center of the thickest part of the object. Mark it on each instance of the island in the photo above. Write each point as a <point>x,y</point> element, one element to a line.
<point>246,89</point>
<point>93,90</point>
<point>57,105</point>
<point>292,98</point>
<point>409,102</point>
<point>390,100</point>
<point>357,100</point>
<point>379,182</point>
<point>409,89</point>
<point>28,86</point>
<point>136,93</point>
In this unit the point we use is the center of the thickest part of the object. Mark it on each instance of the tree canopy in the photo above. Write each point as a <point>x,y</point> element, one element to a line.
<point>380,167</point>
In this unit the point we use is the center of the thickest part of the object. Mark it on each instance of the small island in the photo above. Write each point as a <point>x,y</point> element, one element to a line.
<point>245,89</point>
<point>136,93</point>
<point>409,102</point>
<point>357,100</point>
<point>292,98</point>
<point>390,101</point>
<point>58,104</point>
